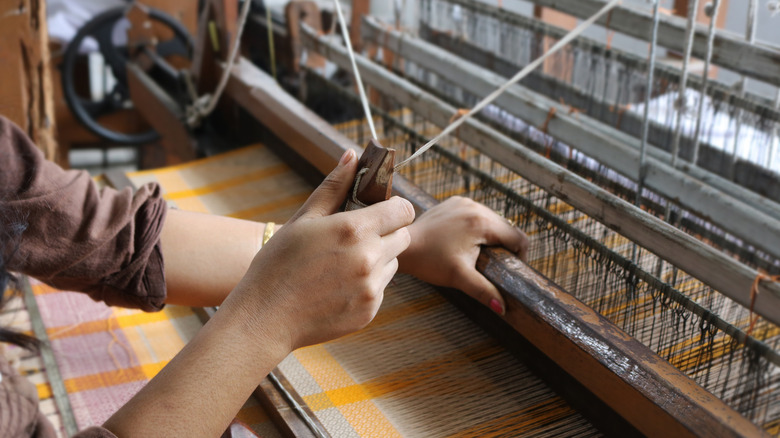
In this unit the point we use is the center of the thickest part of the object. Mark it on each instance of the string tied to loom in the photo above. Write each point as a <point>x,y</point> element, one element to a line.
<point>358,178</point>
<point>754,293</point>
<point>517,78</point>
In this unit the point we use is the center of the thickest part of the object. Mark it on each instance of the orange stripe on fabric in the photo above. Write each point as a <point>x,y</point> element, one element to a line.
<point>227,184</point>
<point>414,375</point>
<point>105,379</point>
<point>195,163</point>
<point>133,319</point>
<point>508,425</point>
<point>358,415</point>
<point>271,206</point>
<point>44,391</point>
<point>387,384</point>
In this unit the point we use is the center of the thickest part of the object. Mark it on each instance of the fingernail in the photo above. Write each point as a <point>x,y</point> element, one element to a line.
<point>347,157</point>
<point>497,306</point>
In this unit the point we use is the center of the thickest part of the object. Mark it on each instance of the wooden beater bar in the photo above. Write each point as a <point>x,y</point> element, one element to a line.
<point>646,390</point>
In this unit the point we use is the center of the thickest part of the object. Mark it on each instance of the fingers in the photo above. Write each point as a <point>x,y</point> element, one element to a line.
<point>332,192</point>
<point>507,235</point>
<point>395,243</point>
<point>386,217</point>
<point>481,289</point>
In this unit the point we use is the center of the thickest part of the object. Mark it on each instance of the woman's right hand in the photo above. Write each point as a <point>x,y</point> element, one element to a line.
<point>320,277</point>
<point>323,274</point>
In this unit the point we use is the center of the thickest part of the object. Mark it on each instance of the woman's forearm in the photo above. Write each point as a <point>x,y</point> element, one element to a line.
<point>199,392</point>
<point>206,255</point>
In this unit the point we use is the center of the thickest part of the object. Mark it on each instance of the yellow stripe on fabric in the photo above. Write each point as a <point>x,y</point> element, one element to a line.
<point>105,379</point>
<point>152,369</point>
<point>271,206</point>
<point>342,391</point>
<point>329,372</point>
<point>171,182</point>
<point>323,368</point>
<point>44,390</point>
<point>126,320</point>
<point>508,425</point>
<point>368,420</point>
<point>227,184</point>
<point>195,163</point>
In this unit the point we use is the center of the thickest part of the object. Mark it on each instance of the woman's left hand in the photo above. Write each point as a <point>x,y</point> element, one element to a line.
<point>446,241</point>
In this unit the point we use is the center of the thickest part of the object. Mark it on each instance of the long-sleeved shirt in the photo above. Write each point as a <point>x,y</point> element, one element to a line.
<point>103,242</point>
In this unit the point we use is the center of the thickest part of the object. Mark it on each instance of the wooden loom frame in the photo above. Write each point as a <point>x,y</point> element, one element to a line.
<point>649,392</point>
<point>652,395</point>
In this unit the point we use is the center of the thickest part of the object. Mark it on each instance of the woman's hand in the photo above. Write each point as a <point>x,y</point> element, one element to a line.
<point>446,241</point>
<point>323,274</point>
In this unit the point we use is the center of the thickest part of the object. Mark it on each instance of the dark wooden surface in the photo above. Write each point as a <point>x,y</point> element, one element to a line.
<point>377,183</point>
<point>162,113</point>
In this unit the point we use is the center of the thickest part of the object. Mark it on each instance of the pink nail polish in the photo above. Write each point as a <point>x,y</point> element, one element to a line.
<point>497,307</point>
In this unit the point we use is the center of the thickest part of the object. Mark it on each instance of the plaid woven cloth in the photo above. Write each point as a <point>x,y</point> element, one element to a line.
<point>106,354</point>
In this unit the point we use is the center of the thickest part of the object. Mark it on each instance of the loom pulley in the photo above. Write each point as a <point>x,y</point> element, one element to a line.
<point>105,30</point>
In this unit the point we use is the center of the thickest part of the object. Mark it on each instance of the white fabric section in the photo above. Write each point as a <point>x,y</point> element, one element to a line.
<point>718,127</point>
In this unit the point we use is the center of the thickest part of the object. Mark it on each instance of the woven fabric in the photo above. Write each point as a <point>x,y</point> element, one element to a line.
<point>422,369</point>
<point>249,183</point>
<point>106,355</point>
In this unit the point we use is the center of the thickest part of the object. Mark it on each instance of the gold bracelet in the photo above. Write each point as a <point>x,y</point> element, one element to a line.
<point>270,227</point>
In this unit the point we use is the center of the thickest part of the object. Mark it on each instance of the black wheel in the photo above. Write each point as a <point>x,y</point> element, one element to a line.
<point>101,29</point>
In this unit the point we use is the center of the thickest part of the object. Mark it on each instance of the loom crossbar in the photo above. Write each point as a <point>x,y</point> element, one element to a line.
<point>757,224</point>
<point>730,50</point>
<point>709,265</point>
<point>749,175</point>
<point>649,392</point>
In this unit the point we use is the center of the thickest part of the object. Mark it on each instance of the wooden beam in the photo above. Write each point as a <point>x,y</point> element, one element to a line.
<point>162,113</point>
<point>709,265</point>
<point>749,175</point>
<point>359,9</point>
<point>730,51</point>
<point>564,21</point>
<point>717,89</point>
<point>26,91</point>
<point>756,221</point>
<point>648,391</point>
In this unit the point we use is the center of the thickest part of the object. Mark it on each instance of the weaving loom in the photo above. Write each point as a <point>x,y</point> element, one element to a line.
<point>649,309</point>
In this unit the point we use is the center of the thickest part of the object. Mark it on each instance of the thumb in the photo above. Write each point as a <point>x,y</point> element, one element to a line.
<point>332,192</point>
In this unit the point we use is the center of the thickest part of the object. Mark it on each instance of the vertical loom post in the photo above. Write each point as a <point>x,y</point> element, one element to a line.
<point>750,36</point>
<point>682,99</point>
<point>705,80</point>
<point>646,118</point>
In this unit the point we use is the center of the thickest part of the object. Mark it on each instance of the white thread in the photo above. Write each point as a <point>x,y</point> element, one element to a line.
<point>359,81</point>
<point>519,76</point>
<point>204,105</point>
<point>358,177</point>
